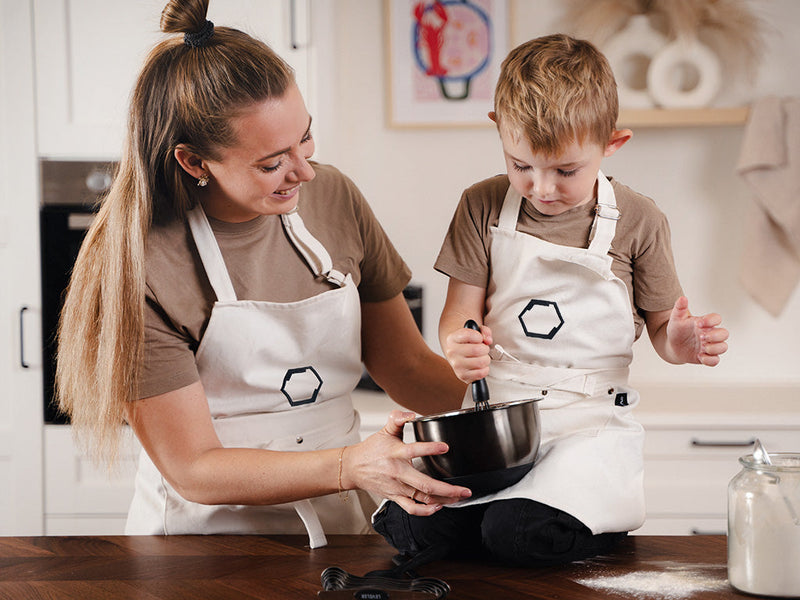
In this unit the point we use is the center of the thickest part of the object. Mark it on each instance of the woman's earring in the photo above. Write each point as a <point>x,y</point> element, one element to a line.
<point>203,181</point>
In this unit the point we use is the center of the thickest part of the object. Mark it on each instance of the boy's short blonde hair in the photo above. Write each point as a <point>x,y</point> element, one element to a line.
<point>554,90</point>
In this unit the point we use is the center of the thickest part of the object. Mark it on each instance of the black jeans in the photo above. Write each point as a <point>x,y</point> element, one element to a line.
<point>516,532</point>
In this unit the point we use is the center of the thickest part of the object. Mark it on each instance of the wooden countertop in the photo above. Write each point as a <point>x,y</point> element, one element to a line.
<point>248,567</point>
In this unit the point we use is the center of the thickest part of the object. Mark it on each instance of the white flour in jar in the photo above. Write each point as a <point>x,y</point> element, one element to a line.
<point>675,583</point>
<point>764,544</point>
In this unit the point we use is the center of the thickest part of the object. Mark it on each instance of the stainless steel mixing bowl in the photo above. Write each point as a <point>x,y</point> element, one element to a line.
<point>492,446</point>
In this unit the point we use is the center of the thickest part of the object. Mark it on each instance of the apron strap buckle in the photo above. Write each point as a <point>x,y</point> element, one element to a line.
<point>312,251</point>
<point>605,220</point>
<point>335,277</point>
<point>606,211</point>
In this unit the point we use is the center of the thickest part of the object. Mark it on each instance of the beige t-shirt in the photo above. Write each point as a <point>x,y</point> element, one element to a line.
<point>263,266</point>
<point>641,248</point>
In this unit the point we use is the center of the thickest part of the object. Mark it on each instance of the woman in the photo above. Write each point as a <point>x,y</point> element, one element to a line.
<point>224,312</point>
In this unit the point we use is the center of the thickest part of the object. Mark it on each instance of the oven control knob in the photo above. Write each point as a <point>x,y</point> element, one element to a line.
<point>98,181</point>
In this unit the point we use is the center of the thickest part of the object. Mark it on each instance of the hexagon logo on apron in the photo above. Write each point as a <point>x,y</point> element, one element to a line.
<point>301,385</point>
<point>541,319</point>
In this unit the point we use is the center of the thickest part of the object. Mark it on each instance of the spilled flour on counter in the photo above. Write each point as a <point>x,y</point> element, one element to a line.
<point>673,584</point>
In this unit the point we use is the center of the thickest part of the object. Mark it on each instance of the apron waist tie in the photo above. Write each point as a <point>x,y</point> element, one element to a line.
<point>582,381</point>
<point>253,429</point>
<point>306,512</point>
<point>592,384</point>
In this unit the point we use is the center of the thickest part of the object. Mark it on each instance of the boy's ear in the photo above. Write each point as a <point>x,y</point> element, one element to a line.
<point>618,139</point>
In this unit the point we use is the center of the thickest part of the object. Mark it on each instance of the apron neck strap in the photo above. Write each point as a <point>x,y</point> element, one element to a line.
<point>606,215</point>
<point>210,255</point>
<point>314,254</point>
<point>509,213</point>
<point>312,251</point>
<point>605,219</point>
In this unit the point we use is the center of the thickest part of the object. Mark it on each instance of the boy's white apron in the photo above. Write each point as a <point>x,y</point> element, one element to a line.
<point>564,323</point>
<point>277,376</point>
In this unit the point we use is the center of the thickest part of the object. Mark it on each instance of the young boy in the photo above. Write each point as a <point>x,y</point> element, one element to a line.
<point>564,268</point>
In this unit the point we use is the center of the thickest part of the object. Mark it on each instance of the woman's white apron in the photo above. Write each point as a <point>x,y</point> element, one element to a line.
<point>277,376</point>
<point>565,329</point>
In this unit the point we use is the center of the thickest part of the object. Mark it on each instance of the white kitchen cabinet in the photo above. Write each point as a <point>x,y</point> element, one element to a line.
<point>82,498</point>
<point>89,52</point>
<point>694,438</point>
<point>687,470</point>
<point>20,348</point>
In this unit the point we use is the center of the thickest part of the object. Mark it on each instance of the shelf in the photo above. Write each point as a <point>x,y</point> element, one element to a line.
<point>685,117</point>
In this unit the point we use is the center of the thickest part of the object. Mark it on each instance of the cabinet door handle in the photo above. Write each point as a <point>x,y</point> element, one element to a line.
<point>22,362</point>
<point>696,531</point>
<point>293,24</point>
<point>722,444</point>
<point>299,28</point>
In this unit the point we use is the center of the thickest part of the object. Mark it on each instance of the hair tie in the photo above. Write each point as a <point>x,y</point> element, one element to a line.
<point>199,38</point>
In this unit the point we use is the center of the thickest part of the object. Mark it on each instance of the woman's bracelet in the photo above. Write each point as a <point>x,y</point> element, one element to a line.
<point>344,495</point>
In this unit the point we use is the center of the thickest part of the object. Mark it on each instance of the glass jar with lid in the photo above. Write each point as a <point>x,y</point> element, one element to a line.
<point>764,526</point>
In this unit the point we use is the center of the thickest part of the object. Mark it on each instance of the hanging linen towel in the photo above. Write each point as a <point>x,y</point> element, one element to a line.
<point>769,163</point>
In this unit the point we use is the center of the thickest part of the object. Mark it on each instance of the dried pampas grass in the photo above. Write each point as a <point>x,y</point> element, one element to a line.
<point>599,20</point>
<point>729,27</point>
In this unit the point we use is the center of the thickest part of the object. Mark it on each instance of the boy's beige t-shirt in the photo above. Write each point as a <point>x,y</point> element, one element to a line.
<point>263,266</point>
<point>641,248</point>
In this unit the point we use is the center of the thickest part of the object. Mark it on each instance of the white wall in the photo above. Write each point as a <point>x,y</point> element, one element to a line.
<point>413,179</point>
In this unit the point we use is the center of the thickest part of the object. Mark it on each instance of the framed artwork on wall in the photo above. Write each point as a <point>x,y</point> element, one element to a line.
<point>444,57</point>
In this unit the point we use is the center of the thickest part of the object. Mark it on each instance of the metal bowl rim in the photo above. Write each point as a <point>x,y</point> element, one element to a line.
<point>472,410</point>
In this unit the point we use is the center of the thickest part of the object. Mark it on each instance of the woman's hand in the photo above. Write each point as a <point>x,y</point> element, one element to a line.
<point>382,464</point>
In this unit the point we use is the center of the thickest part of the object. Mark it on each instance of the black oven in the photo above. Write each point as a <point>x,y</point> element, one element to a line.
<point>70,190</point>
